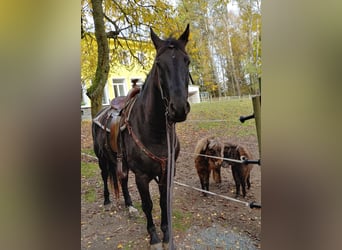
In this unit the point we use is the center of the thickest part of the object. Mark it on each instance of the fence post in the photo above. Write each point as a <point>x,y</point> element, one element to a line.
<point>257,110</point>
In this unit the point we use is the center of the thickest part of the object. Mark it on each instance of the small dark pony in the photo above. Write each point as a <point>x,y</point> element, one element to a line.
<point>208,146</point>
<point>141,140</point>
<point>240,171</point>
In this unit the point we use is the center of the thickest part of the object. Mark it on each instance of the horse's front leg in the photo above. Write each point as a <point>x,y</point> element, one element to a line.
<point>164,216</point>
<point>142,182</point>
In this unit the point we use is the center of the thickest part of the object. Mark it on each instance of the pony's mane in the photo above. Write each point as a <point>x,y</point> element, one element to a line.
<point>202,143</point>
<point>234,148</point>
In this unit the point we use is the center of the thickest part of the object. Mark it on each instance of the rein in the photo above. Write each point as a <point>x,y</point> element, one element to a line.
<point>171,144</point>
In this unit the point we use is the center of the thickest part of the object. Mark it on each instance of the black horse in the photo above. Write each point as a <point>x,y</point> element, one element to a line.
<point>146,122</point>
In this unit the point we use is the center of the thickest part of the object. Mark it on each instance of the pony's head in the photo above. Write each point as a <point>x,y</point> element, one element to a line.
<point>172,69</point>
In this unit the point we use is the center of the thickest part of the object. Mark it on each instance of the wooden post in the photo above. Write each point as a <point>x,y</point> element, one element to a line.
<point>257,113</point>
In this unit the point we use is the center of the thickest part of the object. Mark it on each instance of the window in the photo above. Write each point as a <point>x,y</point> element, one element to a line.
<point>119,87</point>
<point>84,97</point>
<point>105,99</point>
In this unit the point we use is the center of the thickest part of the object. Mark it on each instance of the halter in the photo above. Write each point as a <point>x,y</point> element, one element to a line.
<point>159,52</point>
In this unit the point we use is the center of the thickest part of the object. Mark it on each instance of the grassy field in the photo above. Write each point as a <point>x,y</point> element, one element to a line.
<point>221,118</point>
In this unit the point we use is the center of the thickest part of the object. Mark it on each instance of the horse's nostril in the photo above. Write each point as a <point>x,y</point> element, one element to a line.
<point>178,111</point>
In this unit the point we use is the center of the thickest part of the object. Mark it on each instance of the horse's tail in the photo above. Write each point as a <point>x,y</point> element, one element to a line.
<point>114,182</point>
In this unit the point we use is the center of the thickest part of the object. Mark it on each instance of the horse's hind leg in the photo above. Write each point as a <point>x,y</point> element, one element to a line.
<point>104,174</point>
<point>126,195</point>
<point>142,182</point>
<point>125,192</point>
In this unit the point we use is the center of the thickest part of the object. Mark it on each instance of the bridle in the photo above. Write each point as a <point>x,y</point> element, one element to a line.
<point>159,53</point>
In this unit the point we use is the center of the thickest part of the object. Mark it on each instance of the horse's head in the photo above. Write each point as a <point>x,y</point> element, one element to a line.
<point>172,64</point>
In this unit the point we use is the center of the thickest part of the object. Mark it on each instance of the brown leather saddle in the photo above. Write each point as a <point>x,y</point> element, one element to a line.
<point>119,102</point>
<point>110,118</point>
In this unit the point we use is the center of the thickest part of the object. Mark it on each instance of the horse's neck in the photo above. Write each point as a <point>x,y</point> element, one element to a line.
<point>151,117</point>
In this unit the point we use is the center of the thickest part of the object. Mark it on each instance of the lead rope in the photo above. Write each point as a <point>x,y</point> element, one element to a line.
<point>171,139</point>
<point>170,174</point>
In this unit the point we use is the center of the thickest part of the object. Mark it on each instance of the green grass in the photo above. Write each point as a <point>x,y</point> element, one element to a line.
<point>223,110</point>
<point>220,118</point>
<point>90,195</point>
<point>181,220</point>
<point>89,169</point>
<point>88,151</point>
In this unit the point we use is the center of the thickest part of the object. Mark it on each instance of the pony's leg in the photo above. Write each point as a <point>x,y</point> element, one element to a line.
<point>248,182</point>
<point>142,182</point>
<point>236,177</point>
<point>217,175</point>
<point>243,184</point>
<point>104,174</point>
<point>204,179</point>
<point>244,180</point>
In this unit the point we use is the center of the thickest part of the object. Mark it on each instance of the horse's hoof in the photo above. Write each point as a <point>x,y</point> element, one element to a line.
<point>132,210</point>
<point>157,246</point>
<point>107,206</point>
<point>166,246</point>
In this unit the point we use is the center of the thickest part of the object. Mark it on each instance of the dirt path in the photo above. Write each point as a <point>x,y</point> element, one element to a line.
<point>199,222</point>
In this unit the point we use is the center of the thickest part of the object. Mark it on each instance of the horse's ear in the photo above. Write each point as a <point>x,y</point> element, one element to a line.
<point>155,39</point>
<point>185,36</point>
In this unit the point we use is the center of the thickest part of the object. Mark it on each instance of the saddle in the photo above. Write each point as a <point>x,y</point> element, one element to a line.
<point>110,119</point>
<point>119,102</point>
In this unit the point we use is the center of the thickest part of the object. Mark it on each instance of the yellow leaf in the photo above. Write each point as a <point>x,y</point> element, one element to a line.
<point>119,246</point>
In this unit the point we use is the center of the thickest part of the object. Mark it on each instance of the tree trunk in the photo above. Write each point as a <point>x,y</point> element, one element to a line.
<point>95,91</point>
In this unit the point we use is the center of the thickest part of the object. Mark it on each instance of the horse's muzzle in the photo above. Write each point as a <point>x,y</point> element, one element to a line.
<point>177,112</point>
